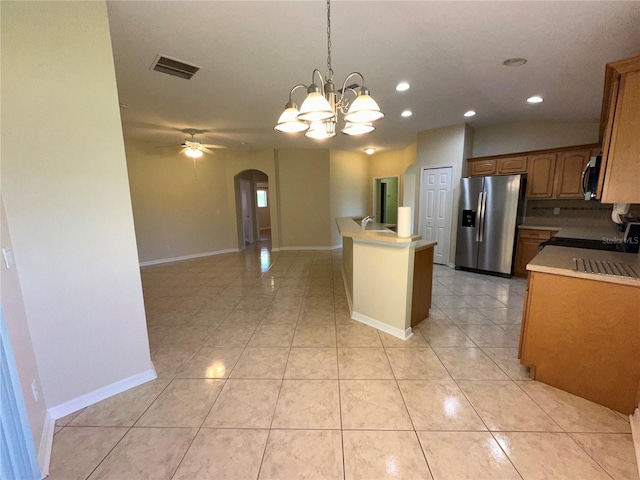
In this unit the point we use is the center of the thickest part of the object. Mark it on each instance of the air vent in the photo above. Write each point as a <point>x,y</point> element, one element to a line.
<point>174,67</point>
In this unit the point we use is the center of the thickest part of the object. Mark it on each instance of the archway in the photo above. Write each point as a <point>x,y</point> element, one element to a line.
<point>253,216</point>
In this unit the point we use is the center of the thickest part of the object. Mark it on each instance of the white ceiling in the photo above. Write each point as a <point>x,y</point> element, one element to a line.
<point>252,52</point>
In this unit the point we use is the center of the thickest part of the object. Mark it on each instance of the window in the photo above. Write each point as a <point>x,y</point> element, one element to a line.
<point>262,198</point>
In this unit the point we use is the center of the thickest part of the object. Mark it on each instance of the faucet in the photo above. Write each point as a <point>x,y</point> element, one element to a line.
<point>365,220</point>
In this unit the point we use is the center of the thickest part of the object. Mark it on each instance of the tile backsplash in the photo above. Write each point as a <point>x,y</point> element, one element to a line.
<point>572,213</point>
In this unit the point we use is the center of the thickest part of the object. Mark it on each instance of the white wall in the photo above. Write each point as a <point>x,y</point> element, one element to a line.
<point>349,181</point>
<point>516,137</point>
<point>13,308</point>
<point>66,194</point>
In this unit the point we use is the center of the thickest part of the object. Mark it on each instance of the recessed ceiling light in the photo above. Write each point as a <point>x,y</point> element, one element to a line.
<point>369,151</point>
<point>406,113</point>
<point>514,62</point>
<point>403,87</point>
<point>535,99</point>
<point>470,113</point>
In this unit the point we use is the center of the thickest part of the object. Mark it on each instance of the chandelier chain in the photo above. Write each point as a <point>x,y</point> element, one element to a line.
<point>329,74</point>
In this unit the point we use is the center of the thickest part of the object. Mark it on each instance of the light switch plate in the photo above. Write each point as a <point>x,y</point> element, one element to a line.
<point>8,257</point>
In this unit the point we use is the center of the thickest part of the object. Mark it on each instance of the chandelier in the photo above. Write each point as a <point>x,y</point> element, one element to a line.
<point>318,114</point>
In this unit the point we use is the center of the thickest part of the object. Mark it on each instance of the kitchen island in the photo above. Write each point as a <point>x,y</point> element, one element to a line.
<point>581,330</point>
<point>387,278</point>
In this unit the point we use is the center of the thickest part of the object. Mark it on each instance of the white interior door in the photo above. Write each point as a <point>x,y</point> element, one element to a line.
<point>435,210</point>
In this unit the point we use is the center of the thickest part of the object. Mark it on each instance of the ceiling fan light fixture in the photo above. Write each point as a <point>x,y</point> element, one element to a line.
<point>319,111</point>
<point>193,152</point>
<point>370,150</point>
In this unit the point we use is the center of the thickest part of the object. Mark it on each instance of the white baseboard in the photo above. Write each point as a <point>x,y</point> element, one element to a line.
<point>305,248</point>
<point>635,432</point>
<point>372,322</point>
<point>275,249</point>
<point>188,257</point>
<point>451,265</point>
<point>46,444</point>
<point>101,393</point>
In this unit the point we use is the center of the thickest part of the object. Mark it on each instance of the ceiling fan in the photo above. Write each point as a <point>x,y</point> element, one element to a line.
<point>194,148</point>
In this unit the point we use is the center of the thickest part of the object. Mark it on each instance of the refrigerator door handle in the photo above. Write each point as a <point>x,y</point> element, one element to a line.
<point>483,207</point>
<point>479,214</point>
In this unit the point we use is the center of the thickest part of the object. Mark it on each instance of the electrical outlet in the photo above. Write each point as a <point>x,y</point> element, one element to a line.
<point>34,389</point>
<point>8,257</point>
<point>556,211</point>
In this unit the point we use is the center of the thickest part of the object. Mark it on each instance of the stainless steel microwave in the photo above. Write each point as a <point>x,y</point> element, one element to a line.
<point>589,180</point>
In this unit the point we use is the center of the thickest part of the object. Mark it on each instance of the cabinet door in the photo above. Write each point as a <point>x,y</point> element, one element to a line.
<point>478,168</point>
<point>526,250</point>
<point>541,170</point>
<point>622,168</point>
<point>512,165</point>
<point>569,167</point>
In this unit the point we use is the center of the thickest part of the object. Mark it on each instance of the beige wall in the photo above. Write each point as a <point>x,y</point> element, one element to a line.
<point>177,210</point>
<point>14,312</point>
<point>516,137</point>
<point>304,187</point>
<point>66,196</point>
<point>390,164</point>
<point>237,161</point>
<point>348,182</point>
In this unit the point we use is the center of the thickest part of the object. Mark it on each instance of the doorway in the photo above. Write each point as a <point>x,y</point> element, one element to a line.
<point>385,199</point>
<point>435,210</point>
<point>253,214</point>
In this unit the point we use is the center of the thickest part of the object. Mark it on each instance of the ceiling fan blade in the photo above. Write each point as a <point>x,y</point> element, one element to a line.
<point>207,150</point>
<point>212,145</point>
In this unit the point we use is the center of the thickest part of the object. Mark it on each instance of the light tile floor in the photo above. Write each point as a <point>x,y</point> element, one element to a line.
<point>262,374</point>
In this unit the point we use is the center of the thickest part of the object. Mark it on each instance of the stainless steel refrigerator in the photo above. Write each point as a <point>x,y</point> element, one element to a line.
<point>490,210</point>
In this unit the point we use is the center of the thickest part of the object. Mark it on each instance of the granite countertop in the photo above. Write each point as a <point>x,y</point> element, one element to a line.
<point>348,227</point>
<point>587,233</point>
<point>559,261</point>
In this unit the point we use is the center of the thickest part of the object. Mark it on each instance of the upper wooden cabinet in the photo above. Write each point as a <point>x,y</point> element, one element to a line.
<point>554,173</point>
<point>482,168</point>
<point>512,165</point>
<point>540,178</point>
<point>568,174</point>
<point>619,180</point>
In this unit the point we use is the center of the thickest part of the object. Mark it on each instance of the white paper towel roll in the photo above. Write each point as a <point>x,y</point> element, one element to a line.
<point>404,222</point>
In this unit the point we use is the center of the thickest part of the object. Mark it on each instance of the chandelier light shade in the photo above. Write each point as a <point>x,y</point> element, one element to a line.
<point>288,121</point>
<point>364,109</point>
<point>358,128</point>
<point>318,114</point>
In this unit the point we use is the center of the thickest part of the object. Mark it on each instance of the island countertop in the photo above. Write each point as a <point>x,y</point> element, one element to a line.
<point>559,260</point>
<point>348,227</point>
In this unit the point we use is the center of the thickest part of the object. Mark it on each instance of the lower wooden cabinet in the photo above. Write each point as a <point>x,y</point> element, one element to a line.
<point>528,245</point>
<point>583,336</point>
